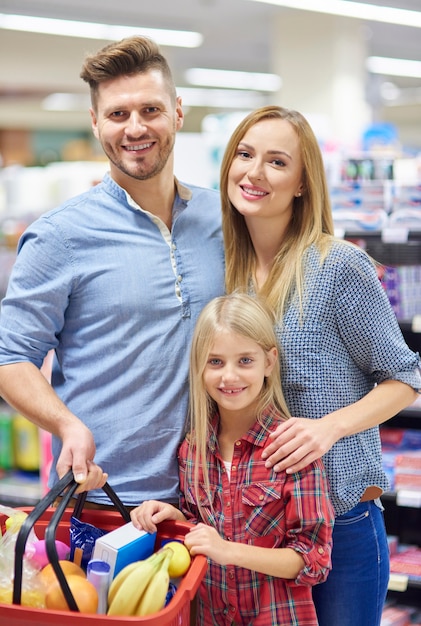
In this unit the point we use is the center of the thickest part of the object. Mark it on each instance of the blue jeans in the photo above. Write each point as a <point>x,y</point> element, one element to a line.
<point>355,590</point>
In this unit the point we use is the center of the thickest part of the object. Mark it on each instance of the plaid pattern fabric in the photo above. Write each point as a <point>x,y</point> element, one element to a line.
<point>261,508</point>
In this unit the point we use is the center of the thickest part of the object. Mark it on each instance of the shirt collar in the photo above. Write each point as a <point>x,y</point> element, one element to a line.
<point>183,195</point>
<point>256,435</point>
<point>184,192</point>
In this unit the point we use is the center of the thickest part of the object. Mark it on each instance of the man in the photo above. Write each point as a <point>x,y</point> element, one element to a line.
<point>113,281</point>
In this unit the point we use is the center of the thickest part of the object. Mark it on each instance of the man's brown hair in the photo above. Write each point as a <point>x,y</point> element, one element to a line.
<point>129,56</point>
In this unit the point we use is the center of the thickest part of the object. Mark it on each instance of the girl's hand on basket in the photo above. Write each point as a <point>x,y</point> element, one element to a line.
<point>148,514</point>
<point>203,539</point>
<point>95,478</point>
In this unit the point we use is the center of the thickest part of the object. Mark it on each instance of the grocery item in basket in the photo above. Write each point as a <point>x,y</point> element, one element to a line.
<point>47,575</point>
<point>177,612</point>
<point>83,591</point>
<point>32,597</point>
<point>32,593</point>
<point>98,573</point>
<point>172,589</point>
<point>36,552</point>
<point>155,594</point>
<point>123,546</point>
<point>83,536</point>
<point>180,560</point>
<point>141,588</point>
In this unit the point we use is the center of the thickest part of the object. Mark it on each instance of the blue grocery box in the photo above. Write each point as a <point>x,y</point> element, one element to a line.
<point>122,546</point>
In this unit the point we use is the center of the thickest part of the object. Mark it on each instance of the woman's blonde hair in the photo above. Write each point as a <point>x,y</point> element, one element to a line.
<point>311,223</point>
<point>248,317</point>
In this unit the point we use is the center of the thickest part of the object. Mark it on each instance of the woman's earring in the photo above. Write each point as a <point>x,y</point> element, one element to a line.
<point>298,194</point>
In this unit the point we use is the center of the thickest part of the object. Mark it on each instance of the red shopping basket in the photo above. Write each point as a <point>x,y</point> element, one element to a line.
<point>54,523</point>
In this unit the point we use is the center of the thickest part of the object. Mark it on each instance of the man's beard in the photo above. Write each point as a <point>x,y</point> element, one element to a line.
<point>136,170</point>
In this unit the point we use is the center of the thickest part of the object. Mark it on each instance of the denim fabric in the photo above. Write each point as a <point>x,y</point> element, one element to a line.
<point>356,588</point>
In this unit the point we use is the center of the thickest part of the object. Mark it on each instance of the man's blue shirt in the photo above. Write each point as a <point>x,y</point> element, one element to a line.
<point>116,295</point>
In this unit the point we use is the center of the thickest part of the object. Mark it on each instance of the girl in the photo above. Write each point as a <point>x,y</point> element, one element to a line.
<point>267,536</point>
<point>346,367</point>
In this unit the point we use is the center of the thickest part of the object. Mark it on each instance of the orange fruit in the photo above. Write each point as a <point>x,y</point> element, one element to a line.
<point>47,575</point>
<point>84,593</point>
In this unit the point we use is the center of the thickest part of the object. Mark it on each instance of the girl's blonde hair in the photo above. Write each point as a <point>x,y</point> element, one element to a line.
<point>248,317</point>
<point>311,223</point>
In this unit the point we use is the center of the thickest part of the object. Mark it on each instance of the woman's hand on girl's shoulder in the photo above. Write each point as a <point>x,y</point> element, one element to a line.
<point>297,442</point>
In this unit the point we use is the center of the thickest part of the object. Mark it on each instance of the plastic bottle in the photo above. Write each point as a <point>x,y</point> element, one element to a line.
<point>98,573</point>
<point>25,444</point>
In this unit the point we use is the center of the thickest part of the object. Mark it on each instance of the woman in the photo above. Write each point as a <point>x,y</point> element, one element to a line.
<point>345,365</point>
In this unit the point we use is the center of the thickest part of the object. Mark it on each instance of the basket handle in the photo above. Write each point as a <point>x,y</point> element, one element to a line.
<point>70,485</point>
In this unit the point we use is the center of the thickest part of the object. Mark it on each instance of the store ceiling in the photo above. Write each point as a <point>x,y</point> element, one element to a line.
<point>236,33</point>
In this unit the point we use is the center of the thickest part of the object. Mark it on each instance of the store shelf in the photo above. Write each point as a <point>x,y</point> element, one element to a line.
<point>401,583</point>
<point>20,489</point>
<point>402,509</point>
<point>408,418</point>
<point>411,595</point>
<point>402,513</point>
<point>407,252</point>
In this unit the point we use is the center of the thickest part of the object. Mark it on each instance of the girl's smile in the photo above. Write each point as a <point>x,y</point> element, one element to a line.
<point>235,373</point>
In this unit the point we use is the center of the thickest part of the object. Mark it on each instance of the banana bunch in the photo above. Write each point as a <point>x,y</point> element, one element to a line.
<point>141,587</point>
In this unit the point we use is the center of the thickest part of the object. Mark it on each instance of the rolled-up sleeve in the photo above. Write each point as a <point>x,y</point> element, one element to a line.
<point>309,517</point>
<point>369,327</point>
<point>33,311</point>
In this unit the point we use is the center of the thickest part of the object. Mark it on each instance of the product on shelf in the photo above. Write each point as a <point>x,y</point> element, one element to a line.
<point>6,440</point>
<point>408,470</point>
<point>26,448</point>
<point>402,285</point>
<point>407,561</point>
<point>20,459</point>
<point>401,449</point>
<point>394,615</point>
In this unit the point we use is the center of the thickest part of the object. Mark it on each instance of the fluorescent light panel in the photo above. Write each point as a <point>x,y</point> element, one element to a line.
<point>191,97</point>
<point>66,102</point>
<point>221,98</point>
<point>232,79</point>
<point>394,67</point>
<point>90,30</point>
<point>360,10</point>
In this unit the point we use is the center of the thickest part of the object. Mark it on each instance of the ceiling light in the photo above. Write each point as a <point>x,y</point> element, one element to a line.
<point>220,98</point>
<point>409,95</point>
<point>209,98</point>
<point>66,102</point>
<point>394,67</point>
<point>90,30</point>
<point>233,80</point>
<point>389,91</point>
<point>360,10</point>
